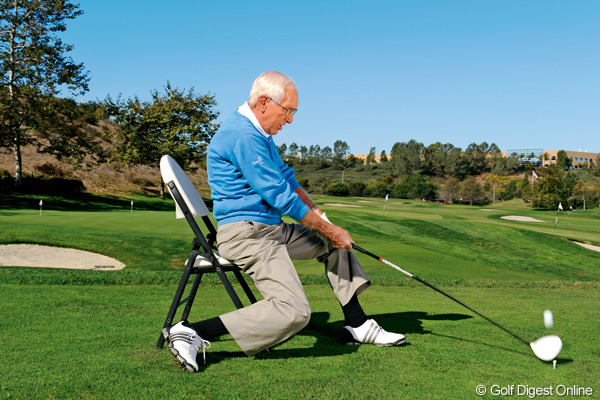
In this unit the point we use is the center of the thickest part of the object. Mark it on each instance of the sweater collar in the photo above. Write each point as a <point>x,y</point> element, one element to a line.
<point>245,110</point>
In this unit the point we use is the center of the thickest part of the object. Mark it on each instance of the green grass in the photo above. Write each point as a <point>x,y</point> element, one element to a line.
<point>98,342</point>
<point>91,334</point>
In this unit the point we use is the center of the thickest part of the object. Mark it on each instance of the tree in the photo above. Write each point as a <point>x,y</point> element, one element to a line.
<point>545,157</point>
<point>449,190</point>
<point>472,191</point>
<point>581,194</point>
<point>371,157</point>
<point>549,190</point>
<point>562,160</point>
<point>282,149</point>
<point>510,191</point>
<point>406,157</point>
<point>383,157</point>
<point>596,167</point>
<point>340,149</point>
<point>176,122</point>
<point>34,69</point>
<point>415,186</point>
<point>303,154</point>
<point>292,151</point>
<point>455,164</point>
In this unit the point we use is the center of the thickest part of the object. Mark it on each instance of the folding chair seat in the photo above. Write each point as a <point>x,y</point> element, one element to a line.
<point>203,259</point>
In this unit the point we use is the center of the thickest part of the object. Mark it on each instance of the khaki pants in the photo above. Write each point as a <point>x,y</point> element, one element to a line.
<point>265,253</point>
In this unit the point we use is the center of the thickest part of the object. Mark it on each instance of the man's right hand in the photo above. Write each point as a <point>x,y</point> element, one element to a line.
<point>338,237</point>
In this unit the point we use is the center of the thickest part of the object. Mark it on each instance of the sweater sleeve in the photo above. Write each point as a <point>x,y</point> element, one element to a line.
<point>252,157</point>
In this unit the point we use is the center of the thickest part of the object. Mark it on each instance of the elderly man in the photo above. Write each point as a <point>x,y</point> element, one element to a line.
<point>251,189</point>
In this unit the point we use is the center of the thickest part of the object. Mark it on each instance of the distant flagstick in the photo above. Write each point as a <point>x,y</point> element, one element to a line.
<point>533,178</point>
<point>560,208</point>
<point>41,204</point>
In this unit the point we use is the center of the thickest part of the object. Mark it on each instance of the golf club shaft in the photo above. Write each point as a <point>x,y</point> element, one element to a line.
<point>360,249</point>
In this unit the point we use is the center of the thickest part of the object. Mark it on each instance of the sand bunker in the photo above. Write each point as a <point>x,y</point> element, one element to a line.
<point>30,255</point>
<point>520,218</point>
<point>588,246</point>
<point>340,205</point>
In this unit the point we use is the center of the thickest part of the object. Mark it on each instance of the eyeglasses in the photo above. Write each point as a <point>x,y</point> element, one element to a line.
<point>288,111</point>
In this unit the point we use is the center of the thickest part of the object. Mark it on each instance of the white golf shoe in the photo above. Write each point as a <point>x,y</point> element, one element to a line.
<point>371,333</point>
<point>184,343</point>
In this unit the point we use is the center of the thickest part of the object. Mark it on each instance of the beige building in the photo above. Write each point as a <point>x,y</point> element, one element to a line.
<point>364,156</point>
<point>579,159</point>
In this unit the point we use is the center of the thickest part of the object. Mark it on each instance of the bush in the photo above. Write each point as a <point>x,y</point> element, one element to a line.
<point>415,186</point>
<point>5,174</point>
<point>304,183</point>
<point>357,189</point>
<point>50,169</point>
<point>51,186</point>
<point>378,189</point>
<point>337,189</point>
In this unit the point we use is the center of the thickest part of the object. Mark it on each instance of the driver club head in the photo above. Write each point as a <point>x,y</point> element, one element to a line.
<point>547,348</point>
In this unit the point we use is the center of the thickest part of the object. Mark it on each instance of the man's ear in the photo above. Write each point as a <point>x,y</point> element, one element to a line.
<point>262,102</point>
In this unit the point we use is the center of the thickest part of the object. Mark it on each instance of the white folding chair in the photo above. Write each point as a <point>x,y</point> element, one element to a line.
<point>202,259</point>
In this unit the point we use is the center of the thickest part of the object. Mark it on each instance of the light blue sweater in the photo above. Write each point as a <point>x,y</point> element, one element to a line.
<point>248,178</point>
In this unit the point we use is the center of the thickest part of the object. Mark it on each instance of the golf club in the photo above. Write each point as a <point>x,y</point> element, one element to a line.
<point>545,348</point>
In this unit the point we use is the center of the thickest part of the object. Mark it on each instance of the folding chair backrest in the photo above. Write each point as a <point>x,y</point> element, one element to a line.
<point>202,259</point>
<point>172,172</point>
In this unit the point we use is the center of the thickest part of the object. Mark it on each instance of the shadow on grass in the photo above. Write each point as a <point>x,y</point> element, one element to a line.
<point>511,350</point>
<point>328,335</point>
<point>87,202</point>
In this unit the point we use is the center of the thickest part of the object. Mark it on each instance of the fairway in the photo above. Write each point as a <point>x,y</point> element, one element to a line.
<point>91,334</point>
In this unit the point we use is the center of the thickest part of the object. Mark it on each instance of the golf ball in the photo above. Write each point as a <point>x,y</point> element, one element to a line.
<point>548,320</point>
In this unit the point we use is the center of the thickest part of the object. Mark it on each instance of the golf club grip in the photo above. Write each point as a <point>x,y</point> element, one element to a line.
<point>382,260</point>
<point>357,247</point>
<point>360,249</point>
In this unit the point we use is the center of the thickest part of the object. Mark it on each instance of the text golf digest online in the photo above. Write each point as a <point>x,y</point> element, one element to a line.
<point>532,392</point>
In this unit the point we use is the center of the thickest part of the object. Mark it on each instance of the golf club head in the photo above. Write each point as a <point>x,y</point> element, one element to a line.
<point>547,348</point>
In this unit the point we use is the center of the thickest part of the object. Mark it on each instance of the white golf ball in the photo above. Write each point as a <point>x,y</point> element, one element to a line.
<point>548,320</point>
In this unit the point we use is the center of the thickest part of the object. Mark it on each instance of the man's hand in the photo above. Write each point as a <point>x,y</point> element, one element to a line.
<point>338,237</point>
<point>316,220</point>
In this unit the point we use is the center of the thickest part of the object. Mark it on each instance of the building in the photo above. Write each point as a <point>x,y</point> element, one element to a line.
<point>544,158</point>
<point>363,157</point>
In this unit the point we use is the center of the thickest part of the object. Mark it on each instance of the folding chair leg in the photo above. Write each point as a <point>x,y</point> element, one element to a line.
<point>191,297</point>
<point>234,297</point>
<point>176,299</point>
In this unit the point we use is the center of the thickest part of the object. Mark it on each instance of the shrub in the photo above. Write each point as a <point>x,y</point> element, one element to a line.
<point>51,186</point>
<point>5,174</point>
<point>377,189</point>
<point>337,189</point>
<point>415,186</point>
<point>357,189</point>
<point>50,169</point>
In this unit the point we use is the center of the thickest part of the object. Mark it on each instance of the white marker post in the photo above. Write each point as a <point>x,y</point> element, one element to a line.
<point>41,204</point>
<point>131,205</point>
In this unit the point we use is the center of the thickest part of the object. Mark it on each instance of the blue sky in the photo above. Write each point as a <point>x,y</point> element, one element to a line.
<point>521,74</point>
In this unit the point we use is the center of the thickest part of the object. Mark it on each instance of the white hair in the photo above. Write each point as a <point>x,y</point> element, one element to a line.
<point>271,84</point>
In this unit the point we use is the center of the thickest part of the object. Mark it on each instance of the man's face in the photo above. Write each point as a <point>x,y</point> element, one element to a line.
<point>275,116</point>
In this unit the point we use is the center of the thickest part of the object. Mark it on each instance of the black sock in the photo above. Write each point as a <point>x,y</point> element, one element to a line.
<point>209,329</point>
<point>353,313</point>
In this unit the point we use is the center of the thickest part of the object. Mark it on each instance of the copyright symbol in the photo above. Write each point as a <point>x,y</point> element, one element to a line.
<point>481,389</point>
